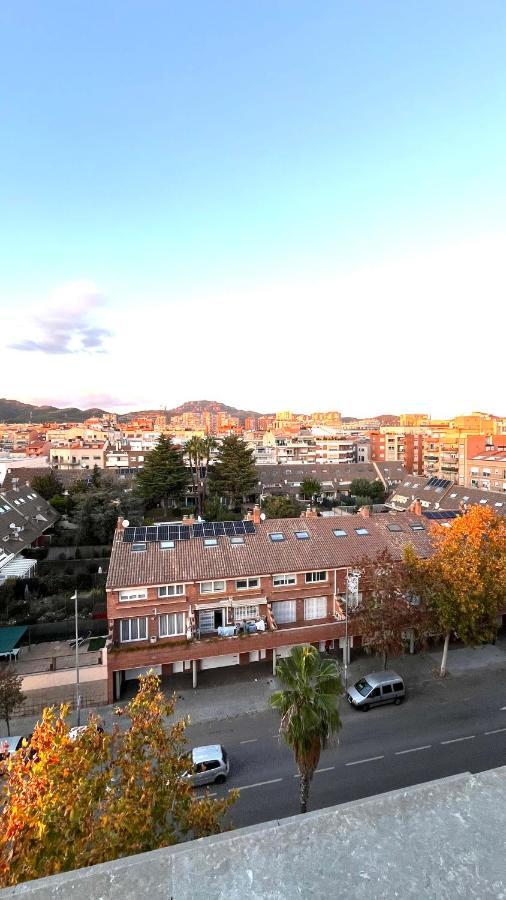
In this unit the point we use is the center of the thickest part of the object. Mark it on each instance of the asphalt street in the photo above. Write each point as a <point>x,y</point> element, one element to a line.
<point>443,728</point>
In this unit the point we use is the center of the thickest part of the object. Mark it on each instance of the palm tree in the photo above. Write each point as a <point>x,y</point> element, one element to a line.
<point>308,705</point>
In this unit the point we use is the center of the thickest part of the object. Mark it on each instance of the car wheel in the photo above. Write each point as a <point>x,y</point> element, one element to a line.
<point>398,701</point>
<point>365,707</point>
<point>220,779</point>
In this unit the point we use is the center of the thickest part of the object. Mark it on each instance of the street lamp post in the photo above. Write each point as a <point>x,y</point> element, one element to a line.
<point>352,579</point>
<point>78,695</point>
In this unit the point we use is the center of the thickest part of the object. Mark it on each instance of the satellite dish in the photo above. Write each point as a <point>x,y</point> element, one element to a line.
<point>262,517</point>
<point>12,525</point>
<point>126,523</point>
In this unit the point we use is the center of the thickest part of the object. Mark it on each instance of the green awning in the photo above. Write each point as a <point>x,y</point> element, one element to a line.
<point>10,636</point>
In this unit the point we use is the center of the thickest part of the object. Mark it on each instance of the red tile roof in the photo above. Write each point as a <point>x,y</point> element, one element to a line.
<point>193,561</point>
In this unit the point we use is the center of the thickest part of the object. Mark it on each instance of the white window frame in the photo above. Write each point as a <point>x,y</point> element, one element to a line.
<point>315,608</point>
<point>287,605</point>
<point>248,611</point>
<point>284,580</point>
<point>213,589</point>
<point>178,620</point>
<point>130,639</point>
<point>170,590</point>
<point>311,577</point>
<point>133,595</point>
<point>251,584</point>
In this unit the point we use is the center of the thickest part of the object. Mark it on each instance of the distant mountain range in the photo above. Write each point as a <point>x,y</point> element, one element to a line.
<point>14,411</point>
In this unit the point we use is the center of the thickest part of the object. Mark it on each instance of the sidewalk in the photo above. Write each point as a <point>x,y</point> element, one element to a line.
<point>229,692</point>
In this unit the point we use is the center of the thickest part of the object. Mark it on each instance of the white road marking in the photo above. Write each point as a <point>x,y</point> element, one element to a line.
<point>413,749</point>
<point>503,707</point>
<point>358,762</point>
<point>328,769</point>
<point>497,731</point>
<point>204,796</point>
<point>469,737</point>
<point>250,741</point>
<point>244,787</point>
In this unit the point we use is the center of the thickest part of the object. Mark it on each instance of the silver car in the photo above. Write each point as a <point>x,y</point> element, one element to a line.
<point>375,689</point>
<point>210,765</point>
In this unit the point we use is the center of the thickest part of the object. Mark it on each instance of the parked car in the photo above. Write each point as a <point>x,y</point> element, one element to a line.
<point>78,730</point>
<point>375,689</point>
<point>210,765</point>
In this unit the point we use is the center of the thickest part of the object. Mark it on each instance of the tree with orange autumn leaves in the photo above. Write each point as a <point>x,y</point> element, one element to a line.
<point>72,803</point>
<point>463,584</point>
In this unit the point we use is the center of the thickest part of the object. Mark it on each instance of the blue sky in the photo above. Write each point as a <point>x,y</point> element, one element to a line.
<point>244,201</point>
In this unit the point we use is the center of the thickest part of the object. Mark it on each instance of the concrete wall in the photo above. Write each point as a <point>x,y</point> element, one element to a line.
<point>440,841</point>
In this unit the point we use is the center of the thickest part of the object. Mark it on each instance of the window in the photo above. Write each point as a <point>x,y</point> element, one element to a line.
<point>139,594</point>
<point>416,527</point>
<point>284,580</point>
<point>302,535</point>
<point>311,577</point>
<point>394,527</point>
<point>276,536</point>
<point>237,539</point>
<point>171,624</point>
<point>210,542</point>
<point>340,532</point>
<point>167,545</point>
<point>245,612</point>
<point>170,590</point>
<point>387,689</point>
<point>137,548</point>
<point>375,693</point>
<point>133,630</point>
<point>398,686</point>
<point>285,611</point>
<point>315,608</point>
<point>245,584</point>
<point>212,587</point>
<point>361,531</point>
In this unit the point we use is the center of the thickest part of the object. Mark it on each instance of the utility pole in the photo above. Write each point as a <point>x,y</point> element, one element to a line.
<point>352,579</point>
<point>78,695</point>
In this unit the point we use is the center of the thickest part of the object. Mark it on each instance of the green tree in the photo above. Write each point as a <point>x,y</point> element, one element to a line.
<point>374,490</point>
<point>199,450</point>
<point>311,489</point>
<point>95,514</point>
<point>281,508</point>
<point>74,803</point>
<point>47,485</point>
<point>233,476</point>
<point>11,694</point>
<point>308,705</point>
<point>463,583</point>
<point>164,478</point>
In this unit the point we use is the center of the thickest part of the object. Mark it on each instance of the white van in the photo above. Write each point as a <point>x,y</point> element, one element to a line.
<point>375,689</point>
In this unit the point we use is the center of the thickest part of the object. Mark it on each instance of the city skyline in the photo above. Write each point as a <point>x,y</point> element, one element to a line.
<point>297,202</point>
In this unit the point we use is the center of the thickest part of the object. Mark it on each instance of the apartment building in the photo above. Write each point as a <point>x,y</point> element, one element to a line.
<point>402,445</point>
<point>194,596</point>
<point>487,471</point>
<point>78,455</point>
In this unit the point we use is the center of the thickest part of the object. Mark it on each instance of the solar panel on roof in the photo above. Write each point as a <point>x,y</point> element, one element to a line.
<point>163,532</point>
<point>184,533</point>
<point>152,533</point>
<point>219,528</point>
<point>249,528</point>
<point>198,530</point>
<point>239,527</point>
<point>229,527</point>
<point>128,535</point>
<point>140,533</point>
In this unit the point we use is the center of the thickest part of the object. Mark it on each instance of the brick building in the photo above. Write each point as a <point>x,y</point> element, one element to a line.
<point>175,604</point>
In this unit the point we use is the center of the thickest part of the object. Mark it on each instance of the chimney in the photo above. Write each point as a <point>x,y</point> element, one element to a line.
<point>188,520</point>
<point>119,524</point>
<point>416,507</point>
<point>311,512</point>
<point>255,516</point>
<point>365,511</point>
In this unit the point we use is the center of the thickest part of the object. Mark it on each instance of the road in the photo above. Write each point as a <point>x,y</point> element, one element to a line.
<point>442,729</point>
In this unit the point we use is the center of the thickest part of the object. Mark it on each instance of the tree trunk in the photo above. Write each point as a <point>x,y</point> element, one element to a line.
<point>303,792</point>
<point>445,654</point>
<point>385,657</point>
<point>8,723</point>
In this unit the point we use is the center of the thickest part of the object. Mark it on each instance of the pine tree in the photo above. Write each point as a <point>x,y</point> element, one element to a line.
<point>233,476</point>
<point>164,478</point>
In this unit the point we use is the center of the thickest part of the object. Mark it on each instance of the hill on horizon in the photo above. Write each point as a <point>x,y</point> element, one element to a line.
<point>13,412</point>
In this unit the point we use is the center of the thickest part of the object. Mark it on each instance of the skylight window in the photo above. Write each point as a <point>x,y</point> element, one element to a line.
<point>498,504</point>
<point>483,501</point>
<point>276,536</point>
<point>237,539</point>
<point>361,531</point>
<point>340,532</point>
<point>416,526</point>
<point>465,498</point>
<point>211,542</point>
<point>452,496</point>
<point>302,535</point>
<point>138,548</point>
<point>394,527</point>
<point>167,545</point>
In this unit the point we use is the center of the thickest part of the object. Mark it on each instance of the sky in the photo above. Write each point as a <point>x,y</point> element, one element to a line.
<point>278,204</point>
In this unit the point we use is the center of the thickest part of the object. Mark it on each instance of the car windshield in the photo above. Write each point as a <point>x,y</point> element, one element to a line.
<point>363,687</point>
